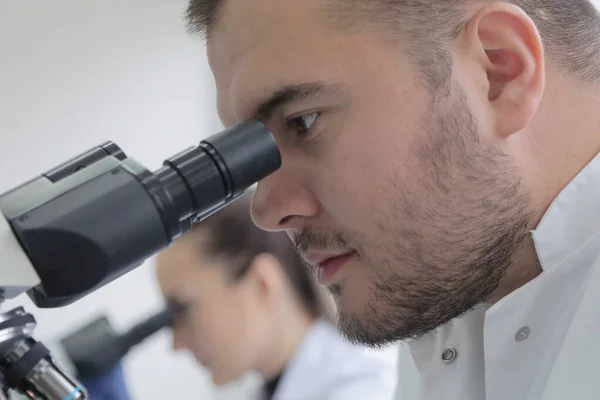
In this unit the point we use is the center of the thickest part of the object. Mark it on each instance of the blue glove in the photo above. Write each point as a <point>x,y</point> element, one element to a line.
<point>108,387</point>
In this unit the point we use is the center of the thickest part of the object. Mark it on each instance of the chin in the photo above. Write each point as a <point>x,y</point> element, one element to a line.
<point>224,378</point>
<point>219,380</point>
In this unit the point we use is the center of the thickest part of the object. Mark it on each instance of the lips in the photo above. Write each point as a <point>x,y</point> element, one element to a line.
<point>328,265</point>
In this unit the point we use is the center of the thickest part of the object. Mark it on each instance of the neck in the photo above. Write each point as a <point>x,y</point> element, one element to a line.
<point>286,338</point>
<point>524,268</point>
<point>564,138</point>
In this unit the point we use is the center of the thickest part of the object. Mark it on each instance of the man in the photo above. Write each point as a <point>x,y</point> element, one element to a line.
<point>440,173</point>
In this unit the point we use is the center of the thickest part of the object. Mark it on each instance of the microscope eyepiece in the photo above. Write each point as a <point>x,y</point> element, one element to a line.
<point>203,179</point>
<point>239,148</point>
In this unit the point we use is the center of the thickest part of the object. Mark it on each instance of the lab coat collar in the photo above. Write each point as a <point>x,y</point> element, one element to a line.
<point>572,218</point>
<point>559,307</point>
<point>308,357</point>
<point>326,366</point>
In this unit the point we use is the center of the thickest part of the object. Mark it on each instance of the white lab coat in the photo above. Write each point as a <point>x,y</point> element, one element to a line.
<point>327,367</point>
<point>541,342</point>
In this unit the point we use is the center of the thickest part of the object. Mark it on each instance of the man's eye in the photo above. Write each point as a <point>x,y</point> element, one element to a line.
<point>301,125</point>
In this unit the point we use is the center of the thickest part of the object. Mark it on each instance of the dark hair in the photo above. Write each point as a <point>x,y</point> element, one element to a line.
<point>233,236</point>
<point>570,29</point>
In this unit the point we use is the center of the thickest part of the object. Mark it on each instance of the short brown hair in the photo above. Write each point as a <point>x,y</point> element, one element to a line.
<point>570,29</point>
<point>233,236</point>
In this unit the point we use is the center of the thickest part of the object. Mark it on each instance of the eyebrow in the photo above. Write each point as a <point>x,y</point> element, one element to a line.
<point>291,93</point>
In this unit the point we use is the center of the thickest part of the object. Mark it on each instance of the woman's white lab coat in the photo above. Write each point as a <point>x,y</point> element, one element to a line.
<point>327,367</point>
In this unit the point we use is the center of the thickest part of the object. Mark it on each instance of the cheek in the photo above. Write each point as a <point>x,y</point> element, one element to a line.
<point>371,158</point>
<point>358,175</point>
<point>208,327</point>
<point>356,286</point>
<point>249,321</point>
<point>250,328</point>
<point>227,333</point>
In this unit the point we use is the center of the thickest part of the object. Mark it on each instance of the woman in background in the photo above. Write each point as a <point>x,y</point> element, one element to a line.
<point>243,302</point>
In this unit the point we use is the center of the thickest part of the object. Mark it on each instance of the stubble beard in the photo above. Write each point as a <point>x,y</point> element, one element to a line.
<point>443,245</point>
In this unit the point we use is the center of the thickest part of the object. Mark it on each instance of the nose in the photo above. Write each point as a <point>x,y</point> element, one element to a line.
<point>282,202</point>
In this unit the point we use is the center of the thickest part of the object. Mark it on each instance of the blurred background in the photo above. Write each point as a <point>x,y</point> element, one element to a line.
<point>76,73</point>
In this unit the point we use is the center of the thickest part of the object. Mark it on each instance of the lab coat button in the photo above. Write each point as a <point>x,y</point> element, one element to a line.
<point>522,334</point>
<point>449,355</point>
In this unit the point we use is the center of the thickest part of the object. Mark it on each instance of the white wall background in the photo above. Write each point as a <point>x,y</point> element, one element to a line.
<point>74,73</point>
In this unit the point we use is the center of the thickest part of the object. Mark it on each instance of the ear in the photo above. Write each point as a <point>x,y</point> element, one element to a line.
<point>264,277</point>
<point>508,48</point>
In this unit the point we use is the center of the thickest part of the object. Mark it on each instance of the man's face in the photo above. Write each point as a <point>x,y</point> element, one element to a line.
<point>404,187</point>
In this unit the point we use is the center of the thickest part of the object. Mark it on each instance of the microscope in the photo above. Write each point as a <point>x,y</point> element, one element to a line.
<point>77,227</point>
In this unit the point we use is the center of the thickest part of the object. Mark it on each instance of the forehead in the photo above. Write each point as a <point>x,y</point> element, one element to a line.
<point>263,45</point>
<point>183,265</point>
<point>249,25</point>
